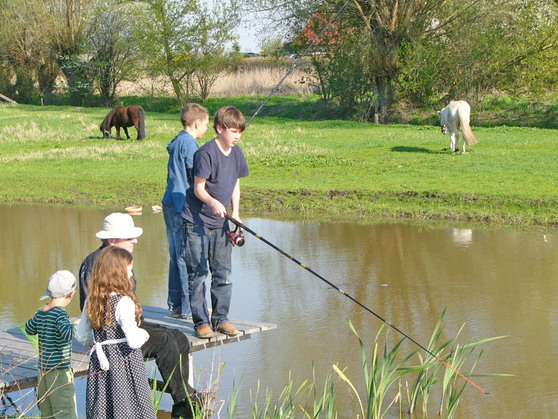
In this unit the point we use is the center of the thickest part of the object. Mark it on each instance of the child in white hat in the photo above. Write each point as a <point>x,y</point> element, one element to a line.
<point>55,393</point>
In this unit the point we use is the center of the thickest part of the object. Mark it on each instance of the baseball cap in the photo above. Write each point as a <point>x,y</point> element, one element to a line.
<point>60,284</point>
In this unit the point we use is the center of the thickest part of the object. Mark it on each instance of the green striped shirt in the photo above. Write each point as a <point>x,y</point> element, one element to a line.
<point>55,337</point>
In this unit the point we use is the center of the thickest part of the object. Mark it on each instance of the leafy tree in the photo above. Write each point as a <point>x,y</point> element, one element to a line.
<point>498,45</point>
<point>175,34</point>
<point>422,50</point>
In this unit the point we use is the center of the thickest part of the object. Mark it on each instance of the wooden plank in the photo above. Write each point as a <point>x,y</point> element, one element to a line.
<point>18,358</point>
<point>161,316</point>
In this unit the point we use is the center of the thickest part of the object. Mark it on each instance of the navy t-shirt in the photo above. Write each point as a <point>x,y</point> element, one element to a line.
<point>220,173</point>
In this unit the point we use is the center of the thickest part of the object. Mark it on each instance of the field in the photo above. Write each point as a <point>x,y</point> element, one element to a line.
<point>319,169</point>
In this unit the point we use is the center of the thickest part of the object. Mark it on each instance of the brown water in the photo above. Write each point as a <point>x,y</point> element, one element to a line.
<point>496,282</point>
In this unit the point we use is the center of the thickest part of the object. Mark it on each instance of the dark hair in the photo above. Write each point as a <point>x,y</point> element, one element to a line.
<point>229,117</point>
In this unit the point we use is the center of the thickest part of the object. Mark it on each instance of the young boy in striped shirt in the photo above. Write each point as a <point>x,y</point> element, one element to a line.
<point>55,393</point>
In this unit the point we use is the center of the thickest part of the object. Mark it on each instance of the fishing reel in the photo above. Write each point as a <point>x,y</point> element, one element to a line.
<point>237,239</point>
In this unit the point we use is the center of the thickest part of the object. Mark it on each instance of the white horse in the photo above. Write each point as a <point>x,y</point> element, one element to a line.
<point>457,114</point>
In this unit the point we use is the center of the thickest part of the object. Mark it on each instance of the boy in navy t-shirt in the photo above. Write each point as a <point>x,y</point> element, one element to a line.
<point>218,167</point>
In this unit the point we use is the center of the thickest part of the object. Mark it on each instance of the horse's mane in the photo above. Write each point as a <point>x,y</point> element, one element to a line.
<point>105,125</point>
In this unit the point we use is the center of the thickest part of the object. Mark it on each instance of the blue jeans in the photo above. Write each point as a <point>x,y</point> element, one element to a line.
<point>208,250</point>
<point>178,299</point>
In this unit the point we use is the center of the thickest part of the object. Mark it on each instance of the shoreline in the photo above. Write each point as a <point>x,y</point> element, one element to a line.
<point>335,206</point>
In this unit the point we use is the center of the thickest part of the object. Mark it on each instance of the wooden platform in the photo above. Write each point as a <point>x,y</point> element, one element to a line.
<point>18,359</point>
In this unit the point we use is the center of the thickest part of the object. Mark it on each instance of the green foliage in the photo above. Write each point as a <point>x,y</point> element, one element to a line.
<point>80,74</point>
<point>179,37</point>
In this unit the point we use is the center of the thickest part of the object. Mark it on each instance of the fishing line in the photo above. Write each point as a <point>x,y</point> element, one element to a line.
<point>242,226</point>
<point>297,61</point>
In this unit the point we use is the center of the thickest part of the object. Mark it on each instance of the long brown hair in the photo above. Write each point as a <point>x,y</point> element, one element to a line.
<point>110,275</point>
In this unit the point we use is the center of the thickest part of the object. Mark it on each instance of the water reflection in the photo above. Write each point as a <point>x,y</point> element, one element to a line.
<point>496,282</point>
<point>462,236</point>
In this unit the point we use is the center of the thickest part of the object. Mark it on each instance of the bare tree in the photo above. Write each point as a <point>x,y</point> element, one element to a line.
<point>24,49</point>
<point>67,21</point>
<point>112,47</point>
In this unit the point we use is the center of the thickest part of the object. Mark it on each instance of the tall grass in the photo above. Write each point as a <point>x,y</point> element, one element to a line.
<point>244,81</point>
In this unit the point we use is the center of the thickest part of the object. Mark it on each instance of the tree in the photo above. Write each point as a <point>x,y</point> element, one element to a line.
<point>67,22</point>
<point>24,50</point>
<point>112,47</point>
<point>422,50</point>
<point>176,33</point>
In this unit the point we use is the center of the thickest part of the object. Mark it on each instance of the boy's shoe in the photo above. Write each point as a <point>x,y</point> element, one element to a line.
<point>179,315</point>
<point>227,329</point>
<point>205,332</point>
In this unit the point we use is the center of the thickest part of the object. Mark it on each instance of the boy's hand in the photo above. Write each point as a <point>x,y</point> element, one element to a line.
<point>218,208</point>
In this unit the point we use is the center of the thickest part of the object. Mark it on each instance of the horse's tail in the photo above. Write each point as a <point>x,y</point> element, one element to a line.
<point>468,134</point>
<point>141,122</point>
<point>464,118</point>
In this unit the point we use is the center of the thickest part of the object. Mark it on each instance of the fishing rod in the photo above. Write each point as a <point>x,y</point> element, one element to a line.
<point>243,227</point>
<point>297,62</point>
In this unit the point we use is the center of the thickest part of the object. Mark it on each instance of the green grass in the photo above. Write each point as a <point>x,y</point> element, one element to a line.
<point>320,168</point>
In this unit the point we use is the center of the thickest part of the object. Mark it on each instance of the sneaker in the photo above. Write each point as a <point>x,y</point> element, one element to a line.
<point>205,332</point>
<point>227,329</point>
<point>176,314</point>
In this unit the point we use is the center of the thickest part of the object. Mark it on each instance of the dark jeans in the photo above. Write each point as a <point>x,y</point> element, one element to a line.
<point>208,250</point>
<point>166,345</point>
<point>178,299</point>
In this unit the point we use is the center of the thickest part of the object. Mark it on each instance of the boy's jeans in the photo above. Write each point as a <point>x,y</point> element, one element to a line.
<point>178,298</point>
<point>208,249</point>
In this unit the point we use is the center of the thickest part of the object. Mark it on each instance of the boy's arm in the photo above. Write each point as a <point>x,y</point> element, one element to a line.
<point>235,201</point>
<point>30,326</point>
<point>199,189</point>
<point>65,327</point>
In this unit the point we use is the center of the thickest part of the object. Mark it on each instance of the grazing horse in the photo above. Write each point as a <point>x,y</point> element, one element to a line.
<point>124,117</point>
<point>456,115</point>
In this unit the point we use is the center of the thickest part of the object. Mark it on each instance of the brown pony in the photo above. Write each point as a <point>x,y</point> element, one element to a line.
<point>124,117</point>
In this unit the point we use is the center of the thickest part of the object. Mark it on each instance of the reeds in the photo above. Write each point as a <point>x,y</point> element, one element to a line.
<point>384,370</point>
<point>245,81</point>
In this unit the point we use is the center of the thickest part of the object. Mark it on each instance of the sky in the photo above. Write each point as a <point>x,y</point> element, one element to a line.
<point>248,39</point>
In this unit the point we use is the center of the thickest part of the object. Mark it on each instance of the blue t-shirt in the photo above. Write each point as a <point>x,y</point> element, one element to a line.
<point>181,159</point>
<point>220,173</point>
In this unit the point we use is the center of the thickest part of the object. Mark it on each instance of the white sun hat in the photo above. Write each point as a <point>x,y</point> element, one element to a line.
<point>119,226</point>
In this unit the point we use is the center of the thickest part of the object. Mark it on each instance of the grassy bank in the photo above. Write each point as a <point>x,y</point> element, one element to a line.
<point>324,168</point>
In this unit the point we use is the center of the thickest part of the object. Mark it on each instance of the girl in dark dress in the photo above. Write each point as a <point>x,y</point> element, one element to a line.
<point>117,385</point>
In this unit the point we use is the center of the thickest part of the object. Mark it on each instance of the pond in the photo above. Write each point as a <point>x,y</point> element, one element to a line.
<point>492,282</point>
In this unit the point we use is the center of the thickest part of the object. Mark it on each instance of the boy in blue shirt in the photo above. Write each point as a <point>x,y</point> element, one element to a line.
<point>218,167</point>
<point>55,393</point>
<point>195,119</point>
